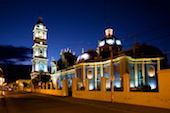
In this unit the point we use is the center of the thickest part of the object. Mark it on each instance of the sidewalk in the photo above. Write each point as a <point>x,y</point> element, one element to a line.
<point>109,105</point>
<point>2,104</point>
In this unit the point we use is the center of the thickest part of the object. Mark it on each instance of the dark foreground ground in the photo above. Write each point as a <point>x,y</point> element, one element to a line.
<point>19,102</point>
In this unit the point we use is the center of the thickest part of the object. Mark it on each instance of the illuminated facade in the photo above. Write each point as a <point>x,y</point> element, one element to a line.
<point>140,61</point>
<point>39,61</point>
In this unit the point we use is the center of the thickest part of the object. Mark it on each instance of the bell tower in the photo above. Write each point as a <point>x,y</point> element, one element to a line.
<point>39,61</point>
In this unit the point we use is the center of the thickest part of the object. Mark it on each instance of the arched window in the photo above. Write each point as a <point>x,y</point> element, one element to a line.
<point>90,74</point>
<point>151,71</point>
<point>41,66</point>
<point>40,34</point>
<point>41,51</point>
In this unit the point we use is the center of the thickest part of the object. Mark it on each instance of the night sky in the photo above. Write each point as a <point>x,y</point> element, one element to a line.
<point>80,23</point>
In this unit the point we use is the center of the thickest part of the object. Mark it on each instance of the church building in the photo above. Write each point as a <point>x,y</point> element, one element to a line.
<point>141,62</point>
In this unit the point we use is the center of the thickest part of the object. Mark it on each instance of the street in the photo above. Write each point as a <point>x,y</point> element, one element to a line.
<point>18,102</point>
<point>23,102</point>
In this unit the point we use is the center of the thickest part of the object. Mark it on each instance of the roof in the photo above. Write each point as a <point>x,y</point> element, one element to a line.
<point>145,51</point>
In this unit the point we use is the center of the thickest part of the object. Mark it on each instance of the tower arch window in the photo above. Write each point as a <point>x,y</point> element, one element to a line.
<point>41,51</point>
<point>41,66</point>
<point>40,34</point>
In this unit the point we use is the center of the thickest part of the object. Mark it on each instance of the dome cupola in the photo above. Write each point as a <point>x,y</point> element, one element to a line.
<point>109,43</point>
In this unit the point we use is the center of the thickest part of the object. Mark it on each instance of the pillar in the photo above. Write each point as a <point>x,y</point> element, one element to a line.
<point>75,71</point>
<point>65,87</point>
<point>43,85</point>
<point>126,82</point>
<point>143,72</point>
<point>87,85</point>
<point>158,64</point>
<point>95,75</point>
<point>122,69</point>
<point>39,85</point>
<point>32,89</point>
<point>75,81</point>
<point>51,85</point>
<point>101,70</point>
<point>84,74</point>
<point>46,85</point>
<point>56,87</point>
<point>103,83</point>
<point>136,74</point>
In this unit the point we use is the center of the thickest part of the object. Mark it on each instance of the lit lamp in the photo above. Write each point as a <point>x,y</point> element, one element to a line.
<point>151,71</point>
<point>90,74</point>
<point>1,81</point>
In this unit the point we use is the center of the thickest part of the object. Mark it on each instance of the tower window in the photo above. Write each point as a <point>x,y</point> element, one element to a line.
<point>41,66</point>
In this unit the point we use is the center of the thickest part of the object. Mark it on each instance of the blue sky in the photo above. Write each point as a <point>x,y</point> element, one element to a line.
<point>81,23</point>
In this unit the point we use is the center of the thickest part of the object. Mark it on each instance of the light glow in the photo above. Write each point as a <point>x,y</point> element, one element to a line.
<point>153,86</point>
<point>90,74</point>
<point>110,41</point>
<point>118,42</point>
<point>1,81</point>
<point>90,86</point>
<point>109,31</point>
<point>101,43</point>
<point>41,26</point>
<point>132,85</point>
<point>151,71</point>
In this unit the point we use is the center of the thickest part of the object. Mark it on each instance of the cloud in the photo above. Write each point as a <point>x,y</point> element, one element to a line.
<point>10,55</point>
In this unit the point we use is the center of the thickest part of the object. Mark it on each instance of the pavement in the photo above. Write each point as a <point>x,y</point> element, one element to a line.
<point>2,104</point>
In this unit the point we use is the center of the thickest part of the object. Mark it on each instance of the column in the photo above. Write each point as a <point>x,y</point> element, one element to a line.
<point>75,71</point>
<point>43,85</point>
<point>51,85</point>
<point>143,72</point>
<point>136,74</point>
<point>101,69</point>
<point>46,85</point>
<point>103,83</point>
<point>84,74</point>
<point>65,87</point>
<point>122,69</point>
<point>95,75</point>
<point>87,84</point>
<point>158,64</point>
<point>126,82</point>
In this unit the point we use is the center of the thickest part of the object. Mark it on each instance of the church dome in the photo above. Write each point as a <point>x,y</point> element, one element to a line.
<point>109,44</point>
<point>87,56</point>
